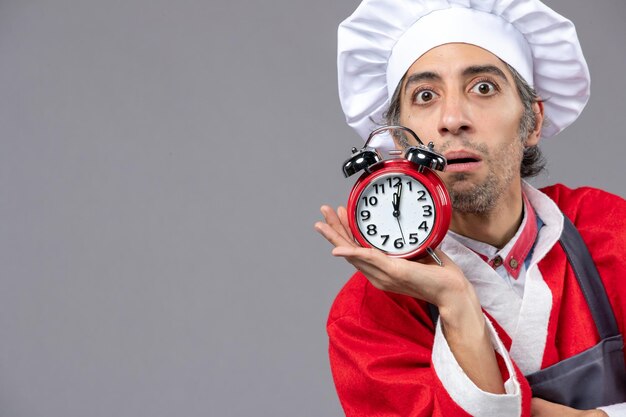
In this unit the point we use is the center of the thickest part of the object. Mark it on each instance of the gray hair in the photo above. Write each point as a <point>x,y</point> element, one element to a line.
<point>533,161</point>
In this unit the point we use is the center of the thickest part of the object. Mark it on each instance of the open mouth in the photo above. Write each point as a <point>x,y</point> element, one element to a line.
<point>462,161</point>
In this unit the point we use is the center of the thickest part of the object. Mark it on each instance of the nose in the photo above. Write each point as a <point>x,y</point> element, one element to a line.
<point>454,118</point>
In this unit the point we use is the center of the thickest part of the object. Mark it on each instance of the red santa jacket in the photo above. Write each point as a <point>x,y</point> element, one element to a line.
<point>380,343</point>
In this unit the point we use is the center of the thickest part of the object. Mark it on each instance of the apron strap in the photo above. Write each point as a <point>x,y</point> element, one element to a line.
<point>589,280</point>
<point>433,312</point>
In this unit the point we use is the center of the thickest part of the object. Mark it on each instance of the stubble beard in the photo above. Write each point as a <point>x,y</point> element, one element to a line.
<point>479,200</point>
<point>482,198</point>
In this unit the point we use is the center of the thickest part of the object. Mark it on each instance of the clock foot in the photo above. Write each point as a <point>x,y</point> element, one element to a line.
<point>434,256</point>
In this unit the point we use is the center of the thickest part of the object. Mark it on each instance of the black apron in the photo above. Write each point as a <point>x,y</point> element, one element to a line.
<point>597,376</point>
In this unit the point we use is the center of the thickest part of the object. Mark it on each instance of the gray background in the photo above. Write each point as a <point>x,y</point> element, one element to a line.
<point>161,167</point>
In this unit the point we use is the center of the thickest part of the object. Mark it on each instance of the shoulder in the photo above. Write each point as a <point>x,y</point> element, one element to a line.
<point>565,195</point>
<point>600,218</point>
<point>589,207</point>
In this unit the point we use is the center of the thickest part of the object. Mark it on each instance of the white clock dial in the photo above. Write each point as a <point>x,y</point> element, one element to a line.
<point>395,213</point>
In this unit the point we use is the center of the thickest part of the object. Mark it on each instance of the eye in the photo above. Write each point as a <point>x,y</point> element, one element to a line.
<point>424,96</point>
<point>485,88</point>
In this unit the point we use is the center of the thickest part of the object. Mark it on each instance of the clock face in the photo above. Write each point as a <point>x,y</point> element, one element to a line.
<point>395,213</point>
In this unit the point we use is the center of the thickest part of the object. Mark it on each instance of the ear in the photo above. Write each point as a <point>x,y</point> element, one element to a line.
<point>535,135</point>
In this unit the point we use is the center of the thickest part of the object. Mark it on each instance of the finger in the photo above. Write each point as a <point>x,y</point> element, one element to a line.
<point>368,260</point>
<point>538,407</point>
<point>353,254</point>
<point>333,220</point>
<point>369,255</point>
<point>330,234</point>
<point>342,213</point>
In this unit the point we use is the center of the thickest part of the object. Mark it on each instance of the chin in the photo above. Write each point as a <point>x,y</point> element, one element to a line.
<point>471,197</point>
<point>460,183</point>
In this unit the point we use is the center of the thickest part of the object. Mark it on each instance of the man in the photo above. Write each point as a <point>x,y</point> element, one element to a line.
<point>510,306</point>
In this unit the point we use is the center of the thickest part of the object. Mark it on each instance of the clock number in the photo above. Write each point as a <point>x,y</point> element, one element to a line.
<point>397,180</point>
<point>385,239</point>
<point>370,201</point>
<point>382,188</point>
<point>371,229</point>
<point>398,243</point>
<point>413,238</point>
<point>428,211</point>
<point>423,226</point>
<point>421,197</point>
<point>410,185</point>
<point>365,215</point>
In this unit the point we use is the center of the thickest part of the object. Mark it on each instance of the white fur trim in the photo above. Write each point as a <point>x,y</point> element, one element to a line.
<point>615,410</point>
<point>529,339</point>
<point>464,392</point>
<point>494,294</point>
<point>525,320</point>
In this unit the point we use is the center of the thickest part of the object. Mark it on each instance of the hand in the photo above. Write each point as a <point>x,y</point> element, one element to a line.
<point>462,320</point>
<point>443,286</point>
<point>543,408</point>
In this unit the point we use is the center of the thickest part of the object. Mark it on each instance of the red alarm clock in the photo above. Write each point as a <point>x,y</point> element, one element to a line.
<point>398,205</point>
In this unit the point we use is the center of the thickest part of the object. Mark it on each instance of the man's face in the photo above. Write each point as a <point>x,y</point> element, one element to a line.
<point>464,99</point>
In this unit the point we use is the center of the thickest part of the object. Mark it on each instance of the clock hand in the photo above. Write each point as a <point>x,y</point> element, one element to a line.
<point>396,205</point>
<point>396,212</point>
<point>401,232</point>
<point>397,196</point>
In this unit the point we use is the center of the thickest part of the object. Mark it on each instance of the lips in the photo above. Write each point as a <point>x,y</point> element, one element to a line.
<point>462,160</point>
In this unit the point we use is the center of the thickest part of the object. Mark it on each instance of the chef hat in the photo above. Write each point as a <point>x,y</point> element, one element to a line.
<point>380,41</point>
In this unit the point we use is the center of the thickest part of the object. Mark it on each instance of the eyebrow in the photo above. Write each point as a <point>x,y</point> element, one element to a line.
<point>485,69</point>
<point>472,70</point>
<point>421,76</point>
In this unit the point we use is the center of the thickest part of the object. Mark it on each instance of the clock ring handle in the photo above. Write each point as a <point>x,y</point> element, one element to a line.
<point>392,127</point>
<point>423,155</point>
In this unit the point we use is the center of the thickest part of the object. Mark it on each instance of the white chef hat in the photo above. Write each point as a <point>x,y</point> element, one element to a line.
<point>380,41</point>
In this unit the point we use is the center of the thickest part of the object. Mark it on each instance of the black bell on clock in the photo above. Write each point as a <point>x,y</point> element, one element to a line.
<point>426,156</point>
<point>360,160</point>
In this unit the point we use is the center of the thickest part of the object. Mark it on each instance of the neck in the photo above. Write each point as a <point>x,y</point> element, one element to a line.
<point>496,227</point>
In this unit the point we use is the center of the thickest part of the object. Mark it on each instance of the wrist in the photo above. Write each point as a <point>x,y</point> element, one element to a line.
<point>461,309</point>
<point>467,333</point>
<point>463,323</point>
